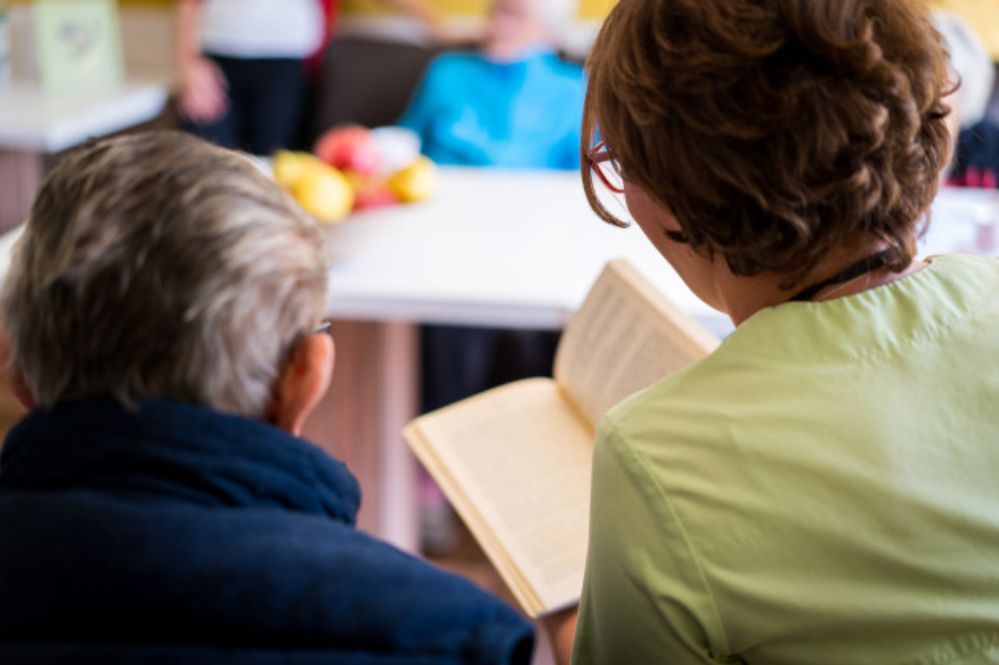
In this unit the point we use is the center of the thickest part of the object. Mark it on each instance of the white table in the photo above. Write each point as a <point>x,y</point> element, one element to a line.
<point>34,124</point>
<point>513,249</point>
<point>509,249</point>
<point>494,248</point>
<point>31,120</point>
<point>521,248</point>
<point>516,249</point>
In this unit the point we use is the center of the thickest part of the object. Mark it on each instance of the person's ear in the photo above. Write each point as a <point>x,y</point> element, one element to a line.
<point>15,377</point>
<point>302,383</point>
<point>18,386</point>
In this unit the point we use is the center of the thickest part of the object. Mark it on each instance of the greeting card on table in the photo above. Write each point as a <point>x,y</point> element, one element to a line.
<point>79,45</point>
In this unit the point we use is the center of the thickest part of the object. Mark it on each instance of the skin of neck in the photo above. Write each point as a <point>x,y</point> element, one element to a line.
<point>740,297</point>
<point>710,278</point>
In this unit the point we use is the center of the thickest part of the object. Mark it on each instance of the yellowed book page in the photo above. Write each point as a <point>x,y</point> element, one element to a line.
<point>625,337</point>
<point>515,462</point>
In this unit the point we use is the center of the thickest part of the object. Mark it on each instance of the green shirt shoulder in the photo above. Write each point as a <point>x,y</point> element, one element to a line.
<point>812,492</point>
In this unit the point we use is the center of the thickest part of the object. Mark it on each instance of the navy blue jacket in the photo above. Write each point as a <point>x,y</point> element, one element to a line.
<point>175,534</point>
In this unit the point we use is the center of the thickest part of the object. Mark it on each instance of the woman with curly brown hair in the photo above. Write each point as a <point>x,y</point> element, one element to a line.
<point>821,489</point>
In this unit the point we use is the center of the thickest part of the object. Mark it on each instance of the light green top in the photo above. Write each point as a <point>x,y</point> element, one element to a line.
<point>823,489</point>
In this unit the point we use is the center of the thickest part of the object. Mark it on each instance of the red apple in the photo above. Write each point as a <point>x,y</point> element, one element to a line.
<point>369,200</point>
<point>348,147</point>
<point>372,193</point>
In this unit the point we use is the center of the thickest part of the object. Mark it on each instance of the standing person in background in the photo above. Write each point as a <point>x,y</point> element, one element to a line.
<point>241,64</point>
<point>244,66</point>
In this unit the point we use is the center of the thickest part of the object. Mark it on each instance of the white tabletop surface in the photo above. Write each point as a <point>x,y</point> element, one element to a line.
<point>521,249</point>
<point>493,247</point>
<point>31,120</point>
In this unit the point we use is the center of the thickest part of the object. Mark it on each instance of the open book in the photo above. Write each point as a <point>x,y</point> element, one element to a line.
<point>515,461</point>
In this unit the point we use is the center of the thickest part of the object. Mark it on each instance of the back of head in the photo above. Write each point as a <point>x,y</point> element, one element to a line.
<point>158,266</point>
<point>518,26</point>
<point>557,16</point>
<point>775,130</point>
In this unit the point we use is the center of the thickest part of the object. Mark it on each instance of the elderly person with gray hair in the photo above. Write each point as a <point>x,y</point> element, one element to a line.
<point>162,324</point>
<point>513,104</point>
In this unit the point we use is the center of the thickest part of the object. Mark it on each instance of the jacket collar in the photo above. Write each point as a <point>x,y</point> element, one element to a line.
<point>161,448</point>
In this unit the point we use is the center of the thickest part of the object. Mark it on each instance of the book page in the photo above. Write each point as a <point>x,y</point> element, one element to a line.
<point>515,463</point>
<point>625,337</point>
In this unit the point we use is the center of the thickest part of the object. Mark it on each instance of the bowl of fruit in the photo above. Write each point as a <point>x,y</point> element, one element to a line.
<point>353,168</point>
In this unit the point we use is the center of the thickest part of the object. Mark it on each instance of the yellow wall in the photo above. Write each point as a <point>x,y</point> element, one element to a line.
<point>982,15</point>
<point>448,7</point>
<point>594,10</point>
<point>588,9</point>
<point>124,2</point>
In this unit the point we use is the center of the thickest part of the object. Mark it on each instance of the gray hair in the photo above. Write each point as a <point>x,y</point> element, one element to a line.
<point>557,16</point>
<point>971,63</point>
<point>158,266</point>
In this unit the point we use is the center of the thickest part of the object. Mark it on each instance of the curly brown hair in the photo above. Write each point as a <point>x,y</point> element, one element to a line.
<point>774,130</point>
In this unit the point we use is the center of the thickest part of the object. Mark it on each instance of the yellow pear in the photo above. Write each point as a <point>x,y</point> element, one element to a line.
<point>290,165</point>
<point>324,192</point>
<point>416,182</point>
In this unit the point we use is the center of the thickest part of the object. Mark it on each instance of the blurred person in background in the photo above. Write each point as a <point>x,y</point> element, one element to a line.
<point>247,66</point>
<point>242,68</point>
<point>976,151</point>
<point>512,104</point>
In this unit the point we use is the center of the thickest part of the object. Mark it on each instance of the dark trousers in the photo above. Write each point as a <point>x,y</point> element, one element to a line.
<point>459,362</point>
<point>266,100</point>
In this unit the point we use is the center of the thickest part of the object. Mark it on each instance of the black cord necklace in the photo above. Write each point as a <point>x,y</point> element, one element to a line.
<point>867,265</point>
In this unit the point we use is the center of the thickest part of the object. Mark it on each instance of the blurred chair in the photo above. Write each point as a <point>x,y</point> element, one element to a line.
<point>368,81</point>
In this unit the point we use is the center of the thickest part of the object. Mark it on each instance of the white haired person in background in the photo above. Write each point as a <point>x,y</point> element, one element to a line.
<point>976,149</point>
<point>512,104</point>
<point>162,319</point>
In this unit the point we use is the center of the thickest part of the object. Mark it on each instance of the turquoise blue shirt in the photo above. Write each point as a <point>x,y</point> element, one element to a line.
<point>821,490</point>
<point>474,112</point>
